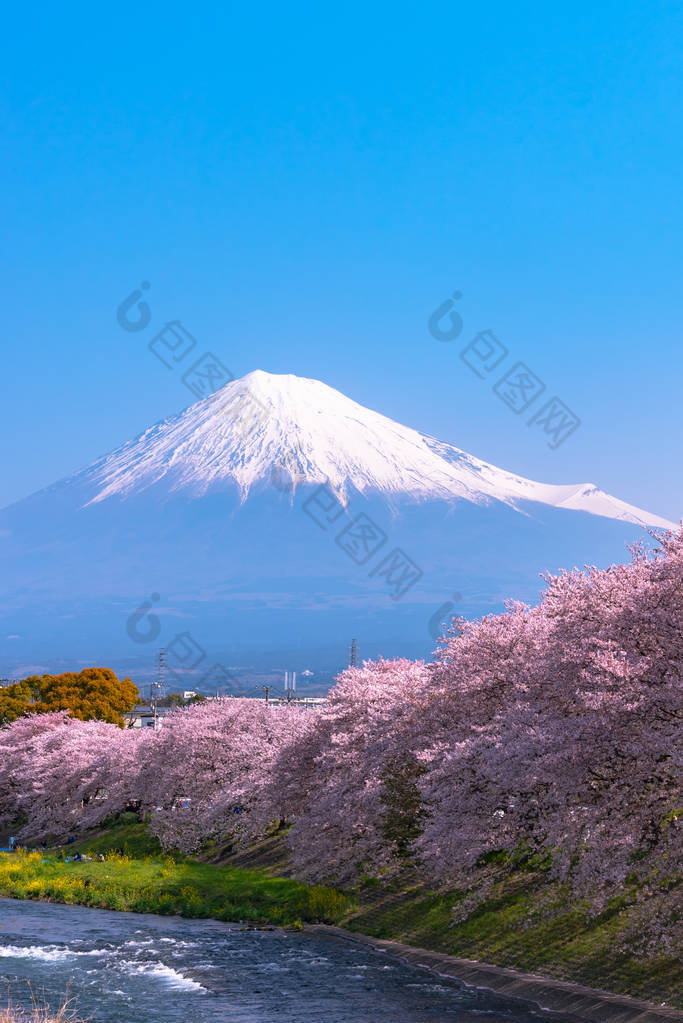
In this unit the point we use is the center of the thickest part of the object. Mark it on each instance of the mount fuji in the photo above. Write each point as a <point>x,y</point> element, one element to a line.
<point>270,522</point>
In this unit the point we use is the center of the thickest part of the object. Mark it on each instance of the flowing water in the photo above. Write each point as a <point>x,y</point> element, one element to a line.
<point>129,968</point>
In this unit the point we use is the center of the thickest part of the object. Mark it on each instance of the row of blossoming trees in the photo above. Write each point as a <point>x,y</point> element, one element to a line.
<point>554,729</point>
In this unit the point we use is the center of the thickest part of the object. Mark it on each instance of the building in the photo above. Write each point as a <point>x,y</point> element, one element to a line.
<point>145,717</point>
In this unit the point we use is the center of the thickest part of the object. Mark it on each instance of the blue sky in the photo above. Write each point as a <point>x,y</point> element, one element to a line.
<point>301,189</point>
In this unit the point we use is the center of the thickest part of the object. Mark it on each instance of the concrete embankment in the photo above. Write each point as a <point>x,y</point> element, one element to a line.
<point>584,1003</point>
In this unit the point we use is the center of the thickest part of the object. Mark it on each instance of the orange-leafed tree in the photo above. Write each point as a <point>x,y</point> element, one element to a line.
<point>92,693</point>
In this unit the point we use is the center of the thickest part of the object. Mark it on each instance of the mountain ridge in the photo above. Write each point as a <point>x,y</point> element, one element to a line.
<point>307,432</point>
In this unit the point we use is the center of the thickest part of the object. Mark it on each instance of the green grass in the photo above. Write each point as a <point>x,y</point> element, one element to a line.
<point>155,885</point>
<point>126,834</point>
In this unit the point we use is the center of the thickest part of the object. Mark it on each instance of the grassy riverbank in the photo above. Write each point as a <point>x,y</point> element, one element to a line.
<point>526,922</point>
<point>168,886</point>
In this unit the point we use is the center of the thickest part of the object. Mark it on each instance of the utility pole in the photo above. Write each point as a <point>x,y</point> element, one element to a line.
<point>267,691</point>
<point>353,654</point>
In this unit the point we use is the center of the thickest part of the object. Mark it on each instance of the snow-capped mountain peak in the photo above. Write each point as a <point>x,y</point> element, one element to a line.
<point>311,433</point>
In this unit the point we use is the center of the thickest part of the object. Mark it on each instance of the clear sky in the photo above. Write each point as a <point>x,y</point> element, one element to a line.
<point>302,190</point>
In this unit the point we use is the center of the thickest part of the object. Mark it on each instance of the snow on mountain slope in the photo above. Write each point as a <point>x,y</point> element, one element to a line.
<point>313,433</point>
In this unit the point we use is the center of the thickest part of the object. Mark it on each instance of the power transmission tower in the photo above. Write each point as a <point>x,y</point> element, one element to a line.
<point>353,654</point>
<point>156,689</point>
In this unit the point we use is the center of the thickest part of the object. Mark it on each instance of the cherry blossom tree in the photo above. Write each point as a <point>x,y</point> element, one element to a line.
<point>19,747</point>
<point>569,735</point>
<point>64,775</point>
<point>346,785</point>
<point>207,768</point>
<point>552,729</point>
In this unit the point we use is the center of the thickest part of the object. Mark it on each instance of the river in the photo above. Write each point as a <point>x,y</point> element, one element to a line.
<point>130,968</point>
